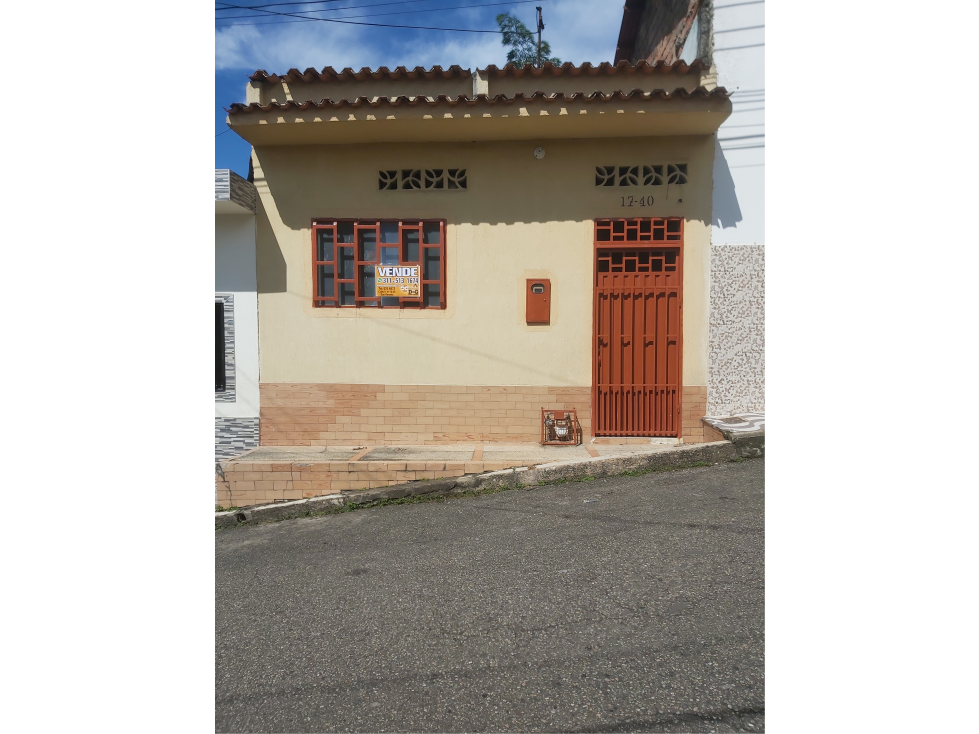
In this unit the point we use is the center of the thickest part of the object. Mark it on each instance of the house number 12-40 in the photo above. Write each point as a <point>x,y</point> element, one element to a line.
<point>633,201</point>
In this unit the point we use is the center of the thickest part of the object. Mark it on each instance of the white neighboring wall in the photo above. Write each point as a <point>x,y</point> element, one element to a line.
<point>234,273</point>
<point>736,363</point>
<point>739,161</point>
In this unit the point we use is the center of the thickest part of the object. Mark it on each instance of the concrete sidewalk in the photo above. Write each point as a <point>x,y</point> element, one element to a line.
<point>517,454</point>
<point>673,457</point>
<point>281,473</point>
<point>271,474</point>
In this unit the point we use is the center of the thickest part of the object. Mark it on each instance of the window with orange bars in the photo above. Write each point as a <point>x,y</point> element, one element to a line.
<point>667,229</point>
<point>346,253</point>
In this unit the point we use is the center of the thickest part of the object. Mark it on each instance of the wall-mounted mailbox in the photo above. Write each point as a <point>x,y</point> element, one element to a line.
<point>538,301</point>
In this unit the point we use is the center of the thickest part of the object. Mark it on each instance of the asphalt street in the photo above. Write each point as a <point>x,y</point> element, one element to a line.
<point>626,604</point>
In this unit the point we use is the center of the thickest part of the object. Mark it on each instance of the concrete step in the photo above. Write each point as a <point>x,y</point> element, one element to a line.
<point>745,430</point>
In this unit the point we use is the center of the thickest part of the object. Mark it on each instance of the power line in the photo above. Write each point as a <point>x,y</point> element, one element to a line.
<point>324,10</point>
<point>371,15</point>
<point>742,137</point>
<point>735,5</point>
<point>376,25</point>
<point>270,22</point>
<point>746,28</point>
<point>735,48</point>
<point>315,2</point>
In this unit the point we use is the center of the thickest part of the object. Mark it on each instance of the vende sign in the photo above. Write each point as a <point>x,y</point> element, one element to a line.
<point>401,281</point>
<point>398,271</point>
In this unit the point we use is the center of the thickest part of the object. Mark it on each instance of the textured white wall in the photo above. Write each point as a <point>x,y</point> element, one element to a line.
<point>736,382</point>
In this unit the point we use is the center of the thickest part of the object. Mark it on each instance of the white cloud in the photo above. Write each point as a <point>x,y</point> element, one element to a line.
<point>469,53</point>
<point>279,47</point>
<point>578,31</point>
<point>582,30</point>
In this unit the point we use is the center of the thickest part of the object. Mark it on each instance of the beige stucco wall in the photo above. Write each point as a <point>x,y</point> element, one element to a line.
<point>520,218</point>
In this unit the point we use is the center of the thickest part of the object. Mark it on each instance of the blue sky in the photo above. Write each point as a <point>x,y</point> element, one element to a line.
<point>578,31</point>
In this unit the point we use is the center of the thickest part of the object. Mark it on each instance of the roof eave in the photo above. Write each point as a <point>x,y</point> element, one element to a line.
<point>483,119</point>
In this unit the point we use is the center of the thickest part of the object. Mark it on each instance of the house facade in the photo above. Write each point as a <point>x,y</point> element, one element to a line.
<point>441,253</point>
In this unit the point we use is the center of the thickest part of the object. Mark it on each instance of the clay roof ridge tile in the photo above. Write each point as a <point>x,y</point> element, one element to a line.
<point>510,69</point>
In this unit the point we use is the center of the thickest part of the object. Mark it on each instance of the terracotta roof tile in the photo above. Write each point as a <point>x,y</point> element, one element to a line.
<point>499,99</point>
<point>623,68</point>
<point>329,74</point>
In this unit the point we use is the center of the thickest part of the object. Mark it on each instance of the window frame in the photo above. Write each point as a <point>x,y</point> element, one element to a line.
<point>623,231</point>
<point>365,224</point>
<point>220,344</point>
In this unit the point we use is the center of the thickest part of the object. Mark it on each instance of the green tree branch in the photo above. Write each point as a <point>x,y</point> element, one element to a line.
<point>522,43</point>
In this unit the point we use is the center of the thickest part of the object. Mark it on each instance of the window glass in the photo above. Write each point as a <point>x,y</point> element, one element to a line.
<point>389,233</point>
<point>431,295</point>
<point>345,232</point>
<point>411,245</point>
<point>325,250</point>
<point>346,294</point>
<point>431,264</point>
<point>326,280</point>
<point>346,262</point>
<point>389,255</point>
<point>368,244</point>
<point>431,230</point>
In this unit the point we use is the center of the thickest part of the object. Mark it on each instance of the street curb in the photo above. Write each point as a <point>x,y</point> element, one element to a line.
<point>749,444</point>
<point>681,456</point>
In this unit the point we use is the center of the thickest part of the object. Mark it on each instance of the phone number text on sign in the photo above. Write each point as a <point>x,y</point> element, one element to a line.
<point>402,281</point>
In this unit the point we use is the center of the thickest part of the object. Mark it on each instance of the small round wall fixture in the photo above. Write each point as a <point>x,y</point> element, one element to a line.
<point>538,153</point>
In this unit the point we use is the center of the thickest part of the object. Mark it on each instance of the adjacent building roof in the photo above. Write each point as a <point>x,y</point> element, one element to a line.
<point>659,30</point>
<point>233,194</point>
<point>631,13</point>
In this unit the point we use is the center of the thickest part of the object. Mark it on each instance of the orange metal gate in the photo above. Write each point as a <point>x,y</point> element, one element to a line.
<point>637,344</point>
